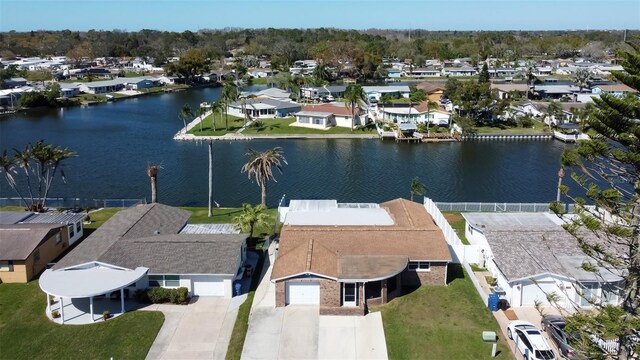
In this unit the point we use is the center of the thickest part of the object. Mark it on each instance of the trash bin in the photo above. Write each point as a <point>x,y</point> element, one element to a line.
<point>238,287</point>
<point>494,300</point>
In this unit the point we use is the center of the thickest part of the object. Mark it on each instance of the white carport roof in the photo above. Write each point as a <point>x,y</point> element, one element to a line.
<point>89,279</point>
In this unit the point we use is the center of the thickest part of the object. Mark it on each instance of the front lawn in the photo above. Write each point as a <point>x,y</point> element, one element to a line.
<point>235,124</point>
<point>283,126</point>
<point>26,333</point>
<point>538,127</point>
<point>440,322</point>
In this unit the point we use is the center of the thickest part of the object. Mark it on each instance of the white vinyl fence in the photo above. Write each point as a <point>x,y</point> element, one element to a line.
<point>461,253</point>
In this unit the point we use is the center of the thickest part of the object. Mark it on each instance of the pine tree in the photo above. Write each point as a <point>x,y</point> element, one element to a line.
<point>608,170</point>
<point>484,74</point>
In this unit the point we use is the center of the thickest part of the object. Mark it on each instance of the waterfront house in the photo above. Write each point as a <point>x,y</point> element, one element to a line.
<point>101,87</point>
<point>68,90</point>
<point>534,259</point>
<point>324,116</point>
<point>73,222</point>
<point>421,72</point>
<point>151,236</point>
<point>270,93</point>
<point>393,90</point>
<point>15,82</point>
<point>263,108</point>
<point>615,89</point>
<point>347,257</point>
<point>26,249</point>
<point>393,73</point>
<point>416,114</point>
<point>434,89</point>
<point>459,71</point>
<point>315,92</point>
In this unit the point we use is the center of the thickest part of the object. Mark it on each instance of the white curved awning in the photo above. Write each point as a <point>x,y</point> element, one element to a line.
<point>88,280</point>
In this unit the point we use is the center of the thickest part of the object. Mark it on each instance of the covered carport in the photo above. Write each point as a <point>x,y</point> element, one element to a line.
<point>73,286</point>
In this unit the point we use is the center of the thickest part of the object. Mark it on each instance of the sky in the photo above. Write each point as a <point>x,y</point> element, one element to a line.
<point>180,15</point>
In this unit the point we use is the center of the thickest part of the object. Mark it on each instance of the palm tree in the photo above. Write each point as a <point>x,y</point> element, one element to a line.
<point>229,95</point>
<point>251,217</point>
<point>152,172</point>
<point>354,96</point>
<point>216,106</point>
<point>185,113</point>
<point>321,73</point>
<point>554,111</point>
<point>260,166</point>
<point>8,166</point>
<point>531,78</point>
<point>431,105</point>
<point>201,112</point>
<point>417,188</point>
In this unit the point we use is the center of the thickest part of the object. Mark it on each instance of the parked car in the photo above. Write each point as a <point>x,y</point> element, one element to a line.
<point>554,326</point>
<point>530,341</point>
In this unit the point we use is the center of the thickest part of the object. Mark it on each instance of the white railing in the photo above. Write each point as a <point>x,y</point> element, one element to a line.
<point>570,137</point>
<point>78,203</point>
<point>492,207</point>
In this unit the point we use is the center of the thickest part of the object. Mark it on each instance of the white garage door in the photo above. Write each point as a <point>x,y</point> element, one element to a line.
<point>207,286</point>
<point>532,292</point>
<point>303,293</point>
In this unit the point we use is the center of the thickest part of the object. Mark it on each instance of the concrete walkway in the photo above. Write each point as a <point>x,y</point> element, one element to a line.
<point>200,330</point>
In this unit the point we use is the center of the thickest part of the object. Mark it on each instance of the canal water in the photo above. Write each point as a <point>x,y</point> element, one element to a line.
<point>116,141</point>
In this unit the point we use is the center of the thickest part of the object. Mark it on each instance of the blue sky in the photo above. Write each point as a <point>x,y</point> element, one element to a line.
<point>179,15</point>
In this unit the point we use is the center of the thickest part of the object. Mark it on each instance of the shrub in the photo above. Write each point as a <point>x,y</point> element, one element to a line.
<point>106,314</point>
<point>141,296</point>
<point>55,314</point>
<point>159,295</point>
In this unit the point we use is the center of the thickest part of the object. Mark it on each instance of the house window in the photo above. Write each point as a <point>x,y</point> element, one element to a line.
<point>6,265</point>
<point>164,280</point>
<point>78,227</point>
<point>419,266</point>
<point>58,238</point>
<point>71,231</point>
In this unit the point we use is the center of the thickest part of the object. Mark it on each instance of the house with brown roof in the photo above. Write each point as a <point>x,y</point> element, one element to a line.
<point>26,249</point>
<point>346,257</point>
<point>325,116</point>
<point>615,89</point>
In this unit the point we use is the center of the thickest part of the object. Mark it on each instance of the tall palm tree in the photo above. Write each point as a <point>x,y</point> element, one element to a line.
<point>216,106</point>
<point>251,217</point>
<point>185,113</point>
<point>321,73</point>
<point>417,188</point>
<point>260,167</point>
<point>582,77</point>
<point>152,172</point>
<point>229,95</point>
<point>201,112</point>
<point>531,78</point>
<point>354,96</point>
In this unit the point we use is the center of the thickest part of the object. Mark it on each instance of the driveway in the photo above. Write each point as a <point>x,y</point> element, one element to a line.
<point>299,332</point>
<point>200,330</point>
<point>531,315</point>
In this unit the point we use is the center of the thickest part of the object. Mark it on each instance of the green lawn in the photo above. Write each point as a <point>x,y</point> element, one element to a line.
<point>440,322</point>
<point>235,123</point>
<point>458,224</point>
<point>282,126</point>
<point>26,333</point>
<point>538,127</point>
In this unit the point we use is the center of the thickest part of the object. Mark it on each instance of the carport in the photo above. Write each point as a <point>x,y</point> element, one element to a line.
<point>86,281</point>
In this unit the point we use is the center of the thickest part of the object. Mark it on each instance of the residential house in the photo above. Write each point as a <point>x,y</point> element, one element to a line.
<point>150,236</point>
<point>315,92</point>
<point>72,221</point>
<point>347,257</point>
<point>502,72</point>
<point>421,72</point>
<point>459,71</point>
<point>15,82</point>
<point>68,90</point>
<point>556,91</point>
<point>616,89</point>
<point>542,71</point>
<point>263,108</point>
<point>534,260</point>
<point>101,87</point>
<point>394,73</point>
<point>434,89</point>
<point>416,114</point>
<point>393,90</point>
<point>270,93</point>
<point>504,91</point>
<point>324,116</point>
<point>26,249</point>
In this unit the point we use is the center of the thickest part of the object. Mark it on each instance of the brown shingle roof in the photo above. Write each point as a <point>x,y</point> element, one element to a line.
<point>617,87</point>
<point>414,235</point>
<point>17,241</point>
<point>336,110</point>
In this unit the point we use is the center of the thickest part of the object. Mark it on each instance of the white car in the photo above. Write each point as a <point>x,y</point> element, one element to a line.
<point>530,341</point>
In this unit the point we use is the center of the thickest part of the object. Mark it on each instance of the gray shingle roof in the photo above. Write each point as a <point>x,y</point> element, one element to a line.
<point>524,251</point>
<point>179,254</point>
<point>136,222</point>
<point>18,241</point>
<point>55,218</point>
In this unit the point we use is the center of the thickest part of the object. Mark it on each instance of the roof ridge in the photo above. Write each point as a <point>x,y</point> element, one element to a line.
<point>406,212</point>
<point>309,254</point>
<point>137,221</point>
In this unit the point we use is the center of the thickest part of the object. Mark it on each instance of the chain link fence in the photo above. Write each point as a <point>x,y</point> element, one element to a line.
<point>75,203</point>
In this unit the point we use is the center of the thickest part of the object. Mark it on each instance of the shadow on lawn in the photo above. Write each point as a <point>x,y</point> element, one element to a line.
<point>454,271</point>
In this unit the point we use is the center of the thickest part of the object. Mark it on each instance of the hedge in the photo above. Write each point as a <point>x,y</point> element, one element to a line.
<point>160,295</point>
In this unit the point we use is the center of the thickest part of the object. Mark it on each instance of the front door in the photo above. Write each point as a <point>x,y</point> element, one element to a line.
<point>349,294</point>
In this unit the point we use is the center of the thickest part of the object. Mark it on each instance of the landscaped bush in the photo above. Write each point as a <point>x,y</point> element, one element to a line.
<point>159,295</point>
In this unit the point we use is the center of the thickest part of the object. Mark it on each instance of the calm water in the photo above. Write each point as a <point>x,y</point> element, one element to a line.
<point>116,141</point>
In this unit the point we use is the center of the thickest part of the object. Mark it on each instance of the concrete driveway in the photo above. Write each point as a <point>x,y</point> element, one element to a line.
<point>299,332</point>
<point>200,330</point>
